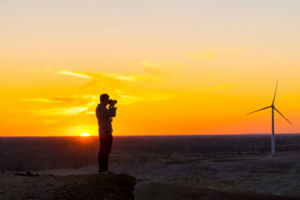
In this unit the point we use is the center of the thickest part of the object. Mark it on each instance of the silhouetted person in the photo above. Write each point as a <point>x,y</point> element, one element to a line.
<point>105,130</point>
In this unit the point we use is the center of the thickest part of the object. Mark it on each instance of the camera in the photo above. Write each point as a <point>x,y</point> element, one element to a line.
<point>112,102</point>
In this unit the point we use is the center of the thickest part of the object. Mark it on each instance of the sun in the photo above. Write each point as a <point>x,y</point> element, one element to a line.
<point>85,135</point>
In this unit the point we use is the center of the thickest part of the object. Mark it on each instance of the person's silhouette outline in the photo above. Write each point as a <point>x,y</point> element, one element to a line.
<point>104,117</point>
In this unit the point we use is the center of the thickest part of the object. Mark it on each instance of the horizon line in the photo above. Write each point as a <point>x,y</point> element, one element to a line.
<point>240,134</point>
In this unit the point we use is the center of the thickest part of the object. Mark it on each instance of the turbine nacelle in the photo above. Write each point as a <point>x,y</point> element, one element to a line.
<point>272,106</point>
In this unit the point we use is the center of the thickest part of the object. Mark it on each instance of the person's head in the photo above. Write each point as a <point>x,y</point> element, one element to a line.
<point>104,99</point>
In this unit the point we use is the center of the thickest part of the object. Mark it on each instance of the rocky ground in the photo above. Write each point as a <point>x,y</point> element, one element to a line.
<point>162,191</point>
<point>108,187</point>
<point>49,187</point>
<point>251,174</point>
<point>172,176</point>
<point>247,174</point>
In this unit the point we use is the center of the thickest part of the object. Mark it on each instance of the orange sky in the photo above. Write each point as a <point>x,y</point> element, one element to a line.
<point>175,67</point>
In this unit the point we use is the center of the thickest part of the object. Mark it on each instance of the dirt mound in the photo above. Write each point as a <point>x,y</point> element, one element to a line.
<point>47,187</point>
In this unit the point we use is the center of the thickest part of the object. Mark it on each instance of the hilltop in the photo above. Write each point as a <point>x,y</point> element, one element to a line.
<point>49,187</point>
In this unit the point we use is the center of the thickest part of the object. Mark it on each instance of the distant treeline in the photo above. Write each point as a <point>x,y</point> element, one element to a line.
<point>20,154</point>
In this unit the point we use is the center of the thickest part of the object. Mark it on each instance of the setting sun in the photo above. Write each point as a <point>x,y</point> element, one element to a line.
<point>85,135</point>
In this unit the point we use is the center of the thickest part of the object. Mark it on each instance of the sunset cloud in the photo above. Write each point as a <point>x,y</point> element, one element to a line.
<point>58,111</point>
<point>74,99</point>
<point>68,105</point>
<point>36,100</point>
<point>113,78</point>
<point>77,74</point>
<point>208,55</point>
<point>77,99</point>
<point>202,55</point>
<point>131,78</point>
<point>127,98</point>
<point>151,68</point>
<point>90,112</point>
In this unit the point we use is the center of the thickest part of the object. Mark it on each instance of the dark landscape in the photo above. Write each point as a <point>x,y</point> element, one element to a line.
<point>212,165</point>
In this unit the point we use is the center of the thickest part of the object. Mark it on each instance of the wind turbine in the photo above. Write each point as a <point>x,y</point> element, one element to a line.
<point>273,108</point>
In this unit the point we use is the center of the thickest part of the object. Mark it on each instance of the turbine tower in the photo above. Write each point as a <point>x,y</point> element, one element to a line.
<point>273,108</point>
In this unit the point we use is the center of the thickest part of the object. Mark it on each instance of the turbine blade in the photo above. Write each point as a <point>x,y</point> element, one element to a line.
<point>282,116</point>
<point>275,93</point>
<point>259,110</point>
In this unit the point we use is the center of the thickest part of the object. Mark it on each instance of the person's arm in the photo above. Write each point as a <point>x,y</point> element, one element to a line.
<point>105,112</point>
<point>114,110</point>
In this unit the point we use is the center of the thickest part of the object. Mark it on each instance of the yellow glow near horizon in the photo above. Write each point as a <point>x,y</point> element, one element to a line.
<point>85,135</point>
<point>83,130</point>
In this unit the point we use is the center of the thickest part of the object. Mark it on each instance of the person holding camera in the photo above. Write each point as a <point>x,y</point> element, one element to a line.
<point>104,117</point>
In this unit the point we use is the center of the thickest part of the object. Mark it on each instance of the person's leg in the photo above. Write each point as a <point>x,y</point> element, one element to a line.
<point>108,148</point>
<point>105,162</point>
<point>99,159</point>
<point>109,144</point>
<point>105,149</point>
<point>102,156</point>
